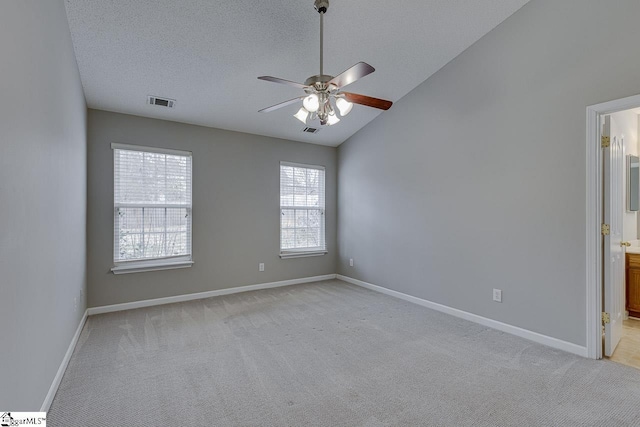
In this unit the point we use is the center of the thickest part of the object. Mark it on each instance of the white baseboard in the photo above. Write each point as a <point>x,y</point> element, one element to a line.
<point>504,327</point>
<point>63,366</point>
<point>200,295</point>
<point>494,324</point>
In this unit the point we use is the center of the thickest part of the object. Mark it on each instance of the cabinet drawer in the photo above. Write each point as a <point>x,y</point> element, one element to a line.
<point>633,290</point>
<point>633,260</point>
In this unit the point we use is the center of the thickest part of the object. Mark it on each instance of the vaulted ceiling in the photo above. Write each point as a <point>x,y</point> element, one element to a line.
<point>208,54</point>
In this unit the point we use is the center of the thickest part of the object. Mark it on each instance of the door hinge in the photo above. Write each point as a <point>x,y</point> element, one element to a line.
<point>605,229</point>
<point>605,141</point>
<point>605,318</point>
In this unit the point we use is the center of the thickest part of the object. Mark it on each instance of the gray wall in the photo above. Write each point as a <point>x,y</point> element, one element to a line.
<point>43,198</point>
<point>236,213</point>
<point>476,179</point>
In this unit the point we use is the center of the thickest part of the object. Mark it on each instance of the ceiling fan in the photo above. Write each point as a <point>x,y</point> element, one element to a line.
<point>323,92</point>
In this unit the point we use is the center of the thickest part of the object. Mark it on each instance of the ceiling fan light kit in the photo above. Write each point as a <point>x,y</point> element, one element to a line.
<point>311,103</point>
<point>323,91</point>
<point>344,106</point>
<point>302,115</point>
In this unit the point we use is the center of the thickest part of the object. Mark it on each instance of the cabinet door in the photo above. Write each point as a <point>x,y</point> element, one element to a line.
<point>633,290</point>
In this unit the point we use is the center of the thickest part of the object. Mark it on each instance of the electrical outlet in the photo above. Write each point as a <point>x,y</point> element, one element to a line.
<point>261,266</point>
<point>497,295</point>
<point>350,262</point>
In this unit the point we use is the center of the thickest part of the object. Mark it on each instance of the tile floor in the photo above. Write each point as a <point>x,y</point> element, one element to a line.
<point>628,350</point>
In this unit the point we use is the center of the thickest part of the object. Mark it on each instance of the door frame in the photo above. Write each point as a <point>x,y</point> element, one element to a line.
<point>594,201</point>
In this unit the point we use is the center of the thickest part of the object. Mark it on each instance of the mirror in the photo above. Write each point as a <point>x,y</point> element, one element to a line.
<point>633,183</point>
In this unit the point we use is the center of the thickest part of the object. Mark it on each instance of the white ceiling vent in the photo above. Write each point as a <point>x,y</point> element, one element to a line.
<point>162,102</point>
<point>310,130</point>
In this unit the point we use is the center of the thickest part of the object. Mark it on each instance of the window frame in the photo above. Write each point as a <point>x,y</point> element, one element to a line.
<point>157,263</point>
<point>311,251</point>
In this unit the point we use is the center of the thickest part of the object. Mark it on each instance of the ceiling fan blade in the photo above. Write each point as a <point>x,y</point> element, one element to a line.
<point>283,81</point>
<point>367,100</point>
<point>280,105</point>
<point>354,73</point>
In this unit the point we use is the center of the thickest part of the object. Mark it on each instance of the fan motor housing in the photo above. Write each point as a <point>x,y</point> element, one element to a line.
<point>318,81</point>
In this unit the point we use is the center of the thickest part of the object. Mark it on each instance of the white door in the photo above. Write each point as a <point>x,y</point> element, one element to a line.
<point>613,264</point>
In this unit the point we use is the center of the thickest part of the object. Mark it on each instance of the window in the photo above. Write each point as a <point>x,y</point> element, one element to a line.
<point>152,208</point>
<point>301,210</point>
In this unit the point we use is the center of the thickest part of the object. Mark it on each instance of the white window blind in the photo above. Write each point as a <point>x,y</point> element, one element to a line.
<point>302,208</point>
<point>152,205</point>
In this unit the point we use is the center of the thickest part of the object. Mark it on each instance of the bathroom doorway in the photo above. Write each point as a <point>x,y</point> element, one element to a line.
<point>621,337</point>
<point>613,293</point>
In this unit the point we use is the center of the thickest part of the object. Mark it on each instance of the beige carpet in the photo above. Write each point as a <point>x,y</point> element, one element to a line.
<point>328,354</point>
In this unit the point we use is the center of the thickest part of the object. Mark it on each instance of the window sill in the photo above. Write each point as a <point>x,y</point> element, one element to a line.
<point>139,267</point>
<point>302,254</point>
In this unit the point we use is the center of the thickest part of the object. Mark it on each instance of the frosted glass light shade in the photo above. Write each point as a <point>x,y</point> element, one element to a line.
<point>302,115</point>
<point>332,119</point>
<point>311,103</point>
<point>344,106</point>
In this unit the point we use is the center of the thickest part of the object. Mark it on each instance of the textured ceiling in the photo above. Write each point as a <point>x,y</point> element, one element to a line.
<point>207,54</point>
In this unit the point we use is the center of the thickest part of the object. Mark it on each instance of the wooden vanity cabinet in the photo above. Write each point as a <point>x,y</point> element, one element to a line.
<point>633,284</point>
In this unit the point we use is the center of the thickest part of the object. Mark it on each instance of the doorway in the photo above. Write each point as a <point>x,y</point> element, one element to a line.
<point>613,239</point>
